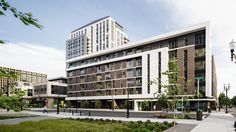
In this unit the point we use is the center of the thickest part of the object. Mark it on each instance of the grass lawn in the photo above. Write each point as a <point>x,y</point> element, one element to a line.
<point>84,125</point>
<point>11,117</point>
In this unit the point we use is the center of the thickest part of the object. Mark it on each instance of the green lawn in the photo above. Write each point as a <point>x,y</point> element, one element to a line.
<point>84,125</point>
<point>11,117</point>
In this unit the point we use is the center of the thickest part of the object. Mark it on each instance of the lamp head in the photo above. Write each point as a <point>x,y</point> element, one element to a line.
<point>232,46</point>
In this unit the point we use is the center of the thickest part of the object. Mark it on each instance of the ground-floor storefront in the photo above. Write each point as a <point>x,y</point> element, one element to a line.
<point>50,102</point>
<point>142,104</point>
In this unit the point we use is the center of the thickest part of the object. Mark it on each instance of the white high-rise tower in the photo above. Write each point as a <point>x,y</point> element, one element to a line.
<point>96,36</point>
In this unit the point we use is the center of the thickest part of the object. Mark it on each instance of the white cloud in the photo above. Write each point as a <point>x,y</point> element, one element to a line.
<point>221,14</point>
<point>33,57</point>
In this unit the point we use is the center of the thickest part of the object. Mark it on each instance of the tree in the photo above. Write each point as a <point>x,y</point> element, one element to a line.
<point>25,18</point>
<point>233,101</point>
<point>171,88</point>
<point>98,104</point>
<point>162,100</point>
<point>222,100</point>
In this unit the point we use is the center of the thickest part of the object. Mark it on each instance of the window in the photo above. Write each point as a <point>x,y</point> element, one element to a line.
<point>107,26</point>
<point>58,89</point>
<point>130,83</point>
<point>99,69</point>
<point>148,75</point>
<point>130,63</point>
<point>139,72</point>
<point>130,73</point>
<point>82,71</point>
<point>200,65</point>
<point>200,52</point>
<point>173,54</point>
<point>138,62</point>
<point>200,39</point>
<point>139,82</point>
<point>173,44</point>
<point>107,67</point>
<point>108,76</point>
<point>159,72</point>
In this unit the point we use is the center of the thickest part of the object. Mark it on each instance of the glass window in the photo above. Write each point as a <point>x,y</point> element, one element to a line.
<point>130,73</point>
<point>173,44</point>
<point>130,63</point>
<point>108,76</point>
<point>200,39</point>
<point>139,72</point>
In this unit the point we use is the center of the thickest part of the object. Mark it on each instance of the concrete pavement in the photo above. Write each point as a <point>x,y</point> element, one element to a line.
<point>216,122</point>
<point>75,116</point>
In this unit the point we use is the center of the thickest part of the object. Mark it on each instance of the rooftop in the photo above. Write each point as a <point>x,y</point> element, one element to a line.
<point>90,23</point>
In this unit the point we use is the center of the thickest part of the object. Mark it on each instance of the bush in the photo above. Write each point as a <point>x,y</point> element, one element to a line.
<point>98,104</point>
<point>145,105</point>
<point>85,104</point>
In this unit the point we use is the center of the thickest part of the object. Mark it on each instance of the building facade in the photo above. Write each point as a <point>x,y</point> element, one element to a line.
<point>96,36</point>
<point>49,92</point>
<point>109,75</point>
<point>24,81</point>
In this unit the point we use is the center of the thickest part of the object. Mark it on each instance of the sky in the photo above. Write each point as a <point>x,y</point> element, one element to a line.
<point>43,50</point>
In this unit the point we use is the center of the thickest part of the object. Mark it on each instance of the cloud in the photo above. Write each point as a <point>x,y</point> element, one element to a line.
<point>221,15</point>
<point>34,58</point>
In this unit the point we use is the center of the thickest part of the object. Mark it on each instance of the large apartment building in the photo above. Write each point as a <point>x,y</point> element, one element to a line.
<point>107,76</point>
<point>24,81</point>
<point>96,36</point>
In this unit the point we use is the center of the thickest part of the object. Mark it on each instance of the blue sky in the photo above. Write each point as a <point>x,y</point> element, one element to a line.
<point>60,17</point>
<point>43,50</point>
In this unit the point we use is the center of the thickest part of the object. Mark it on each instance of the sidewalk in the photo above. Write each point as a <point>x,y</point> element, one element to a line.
<point>75,116</point>
<point>216,122</point>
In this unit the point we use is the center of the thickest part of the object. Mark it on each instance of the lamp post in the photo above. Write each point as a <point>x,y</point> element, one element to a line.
<point>232,47</point>
<point>226,90</point>
<point>198,79</point>
<point>58,104</point>
<point>127,116</point>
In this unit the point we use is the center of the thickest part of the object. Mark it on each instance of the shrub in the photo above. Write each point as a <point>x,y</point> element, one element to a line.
<point>98,104</point>
<point>85,104</point>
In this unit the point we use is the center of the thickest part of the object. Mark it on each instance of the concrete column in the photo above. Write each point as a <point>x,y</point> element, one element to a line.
<point>135,105</point>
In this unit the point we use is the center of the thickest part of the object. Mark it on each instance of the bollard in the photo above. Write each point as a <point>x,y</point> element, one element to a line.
<point>80,113</point>
<point>72,112</point>
<point>89,113</point>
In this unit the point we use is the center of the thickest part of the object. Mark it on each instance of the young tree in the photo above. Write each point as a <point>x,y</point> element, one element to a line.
<point>172,87</point>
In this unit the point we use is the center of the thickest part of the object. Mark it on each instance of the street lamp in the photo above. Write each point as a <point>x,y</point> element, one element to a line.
<point>232,47</point>
<point>226,90</point>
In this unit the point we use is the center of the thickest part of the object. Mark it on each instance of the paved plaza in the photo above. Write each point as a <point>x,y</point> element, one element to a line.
<point>215,122</point>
